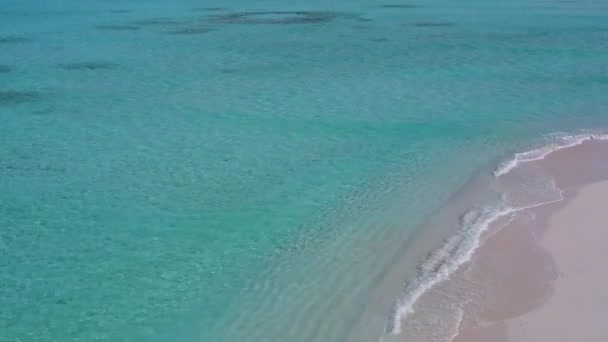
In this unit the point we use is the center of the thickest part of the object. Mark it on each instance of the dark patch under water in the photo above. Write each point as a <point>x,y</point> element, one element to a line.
<point>400,6</point>
<point>44,111</point>
<point>30,13</point>
<point>277,17</point>
<point>14,97</point>
<point>118,27</point>
<point>433,24</point>
<point>517,36</point>
<point>89,66</point>
<point>191,31</point>
<point>121,11</point>
<point>13,40</point>
<point>158,22</point>
<point>209,9</point>
<point>381,39</point>
<point>32,168</point>
<point>5,69</point>
<point>228,71</point>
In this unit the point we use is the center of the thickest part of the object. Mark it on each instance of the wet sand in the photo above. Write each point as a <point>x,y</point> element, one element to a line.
<point>543,277</point>
<point>533,273</point>
<point>576,238</point>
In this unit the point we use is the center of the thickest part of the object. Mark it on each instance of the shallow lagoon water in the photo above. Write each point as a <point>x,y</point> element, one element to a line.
<point>250,172</point>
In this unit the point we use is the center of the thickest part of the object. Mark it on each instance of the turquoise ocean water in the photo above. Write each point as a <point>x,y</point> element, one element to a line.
<point>250,171</point>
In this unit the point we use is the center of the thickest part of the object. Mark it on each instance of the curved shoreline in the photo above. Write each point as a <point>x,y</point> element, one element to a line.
<point>459,249</point>
<point>564,141</point>
<point>572,235</point>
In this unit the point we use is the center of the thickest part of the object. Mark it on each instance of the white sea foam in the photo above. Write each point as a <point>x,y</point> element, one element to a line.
<point>456,250</point>
<point>459,248</point>
<point>457,322</point>
<point>561,142</point>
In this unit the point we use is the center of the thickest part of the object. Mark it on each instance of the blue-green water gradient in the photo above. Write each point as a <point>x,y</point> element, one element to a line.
<point>247,171</point>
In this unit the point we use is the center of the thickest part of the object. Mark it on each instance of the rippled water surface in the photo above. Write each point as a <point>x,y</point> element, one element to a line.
<point>250,171</point>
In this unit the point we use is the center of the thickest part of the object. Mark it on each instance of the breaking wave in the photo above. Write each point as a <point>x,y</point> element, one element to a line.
<point>460,247</point>
<point>561,142</point>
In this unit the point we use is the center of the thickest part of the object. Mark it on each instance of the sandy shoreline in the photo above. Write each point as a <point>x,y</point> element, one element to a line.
<point>576,238</point>
<point>512,267</point>
<point>542,276</point>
